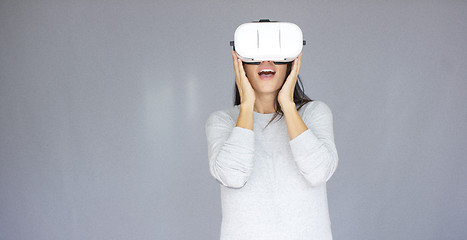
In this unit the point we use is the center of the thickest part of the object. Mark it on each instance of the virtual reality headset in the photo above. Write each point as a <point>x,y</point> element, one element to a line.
<point>266,40</point>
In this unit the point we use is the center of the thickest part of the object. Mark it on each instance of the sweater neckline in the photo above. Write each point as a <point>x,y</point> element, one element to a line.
<point>259,115</point>
<point>263,114</point>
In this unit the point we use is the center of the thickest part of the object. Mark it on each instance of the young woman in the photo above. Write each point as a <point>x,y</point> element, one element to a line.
<point>272,174</point>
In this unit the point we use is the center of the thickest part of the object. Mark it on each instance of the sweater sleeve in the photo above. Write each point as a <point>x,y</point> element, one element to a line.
<point>230,150</point>
<point>314,150</point>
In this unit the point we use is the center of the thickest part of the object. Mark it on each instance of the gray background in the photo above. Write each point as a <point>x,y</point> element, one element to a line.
<point>103,105</point>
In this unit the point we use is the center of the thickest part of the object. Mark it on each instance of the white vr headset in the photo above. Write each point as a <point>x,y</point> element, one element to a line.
<point>280,42</point>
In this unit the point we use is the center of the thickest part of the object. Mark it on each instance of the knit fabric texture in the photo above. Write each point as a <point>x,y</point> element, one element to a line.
<point>273,187</point>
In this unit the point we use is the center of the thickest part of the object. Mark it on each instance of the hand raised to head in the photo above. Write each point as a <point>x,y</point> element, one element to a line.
<point>286,93</point>
<point>246,91</point>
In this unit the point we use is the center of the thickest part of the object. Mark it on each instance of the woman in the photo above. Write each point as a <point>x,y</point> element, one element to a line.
<point>272,174</point>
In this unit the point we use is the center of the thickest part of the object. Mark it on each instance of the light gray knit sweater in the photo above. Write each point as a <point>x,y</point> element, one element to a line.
<point>273,187</point>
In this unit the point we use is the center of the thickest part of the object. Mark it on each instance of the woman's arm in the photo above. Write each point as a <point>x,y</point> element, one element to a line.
<point>295,124</point>
<point>247,94</point>
<point>230,150</point>
<point>313,149</point>
<point>245,117</point>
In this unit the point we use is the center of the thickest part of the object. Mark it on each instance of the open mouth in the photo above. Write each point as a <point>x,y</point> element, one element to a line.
<point>266,73</point>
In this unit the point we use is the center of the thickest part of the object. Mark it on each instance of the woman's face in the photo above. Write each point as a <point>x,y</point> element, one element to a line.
<point>266,77</point>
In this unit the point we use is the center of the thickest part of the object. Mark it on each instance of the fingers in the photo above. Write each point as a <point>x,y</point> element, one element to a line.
<point>292,78</point>
<point>235,64</point>
<point>243,84</point>
<point>238,68</point>
<point>296,65</point>
<point>242,76</point>
<point>299,63</point>
<point>238,65</point>
<point>241,71</point>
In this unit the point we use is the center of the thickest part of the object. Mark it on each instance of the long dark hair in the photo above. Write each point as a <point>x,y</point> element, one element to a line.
<point>299,96</point>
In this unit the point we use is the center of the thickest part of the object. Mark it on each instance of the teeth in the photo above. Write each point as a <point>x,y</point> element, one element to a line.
<point>266,70</point>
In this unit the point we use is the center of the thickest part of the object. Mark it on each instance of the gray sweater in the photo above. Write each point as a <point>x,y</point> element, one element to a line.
<point>273,187</point>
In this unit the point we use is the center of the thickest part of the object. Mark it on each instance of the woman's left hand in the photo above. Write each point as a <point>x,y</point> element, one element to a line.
<point>285,95</point>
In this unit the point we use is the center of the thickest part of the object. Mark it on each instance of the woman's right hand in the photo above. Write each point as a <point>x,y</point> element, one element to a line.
<point>246,91</point>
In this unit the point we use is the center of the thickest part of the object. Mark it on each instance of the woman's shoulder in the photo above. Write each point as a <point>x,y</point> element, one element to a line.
<point>315,106</point>
<point>226,115</point>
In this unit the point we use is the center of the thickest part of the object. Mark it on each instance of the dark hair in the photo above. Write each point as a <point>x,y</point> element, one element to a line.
<point>299,96</point>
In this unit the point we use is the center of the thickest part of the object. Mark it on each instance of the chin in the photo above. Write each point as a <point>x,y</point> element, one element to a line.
<point>268,87</point>
<point>267,90</point>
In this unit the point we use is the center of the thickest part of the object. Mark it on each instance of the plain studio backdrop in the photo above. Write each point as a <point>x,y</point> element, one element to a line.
<point>103,106</point>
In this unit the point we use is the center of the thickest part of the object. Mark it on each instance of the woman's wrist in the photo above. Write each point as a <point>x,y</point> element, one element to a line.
<point>247,105</point>
<point>245,116</point>
<point>287,105</point>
